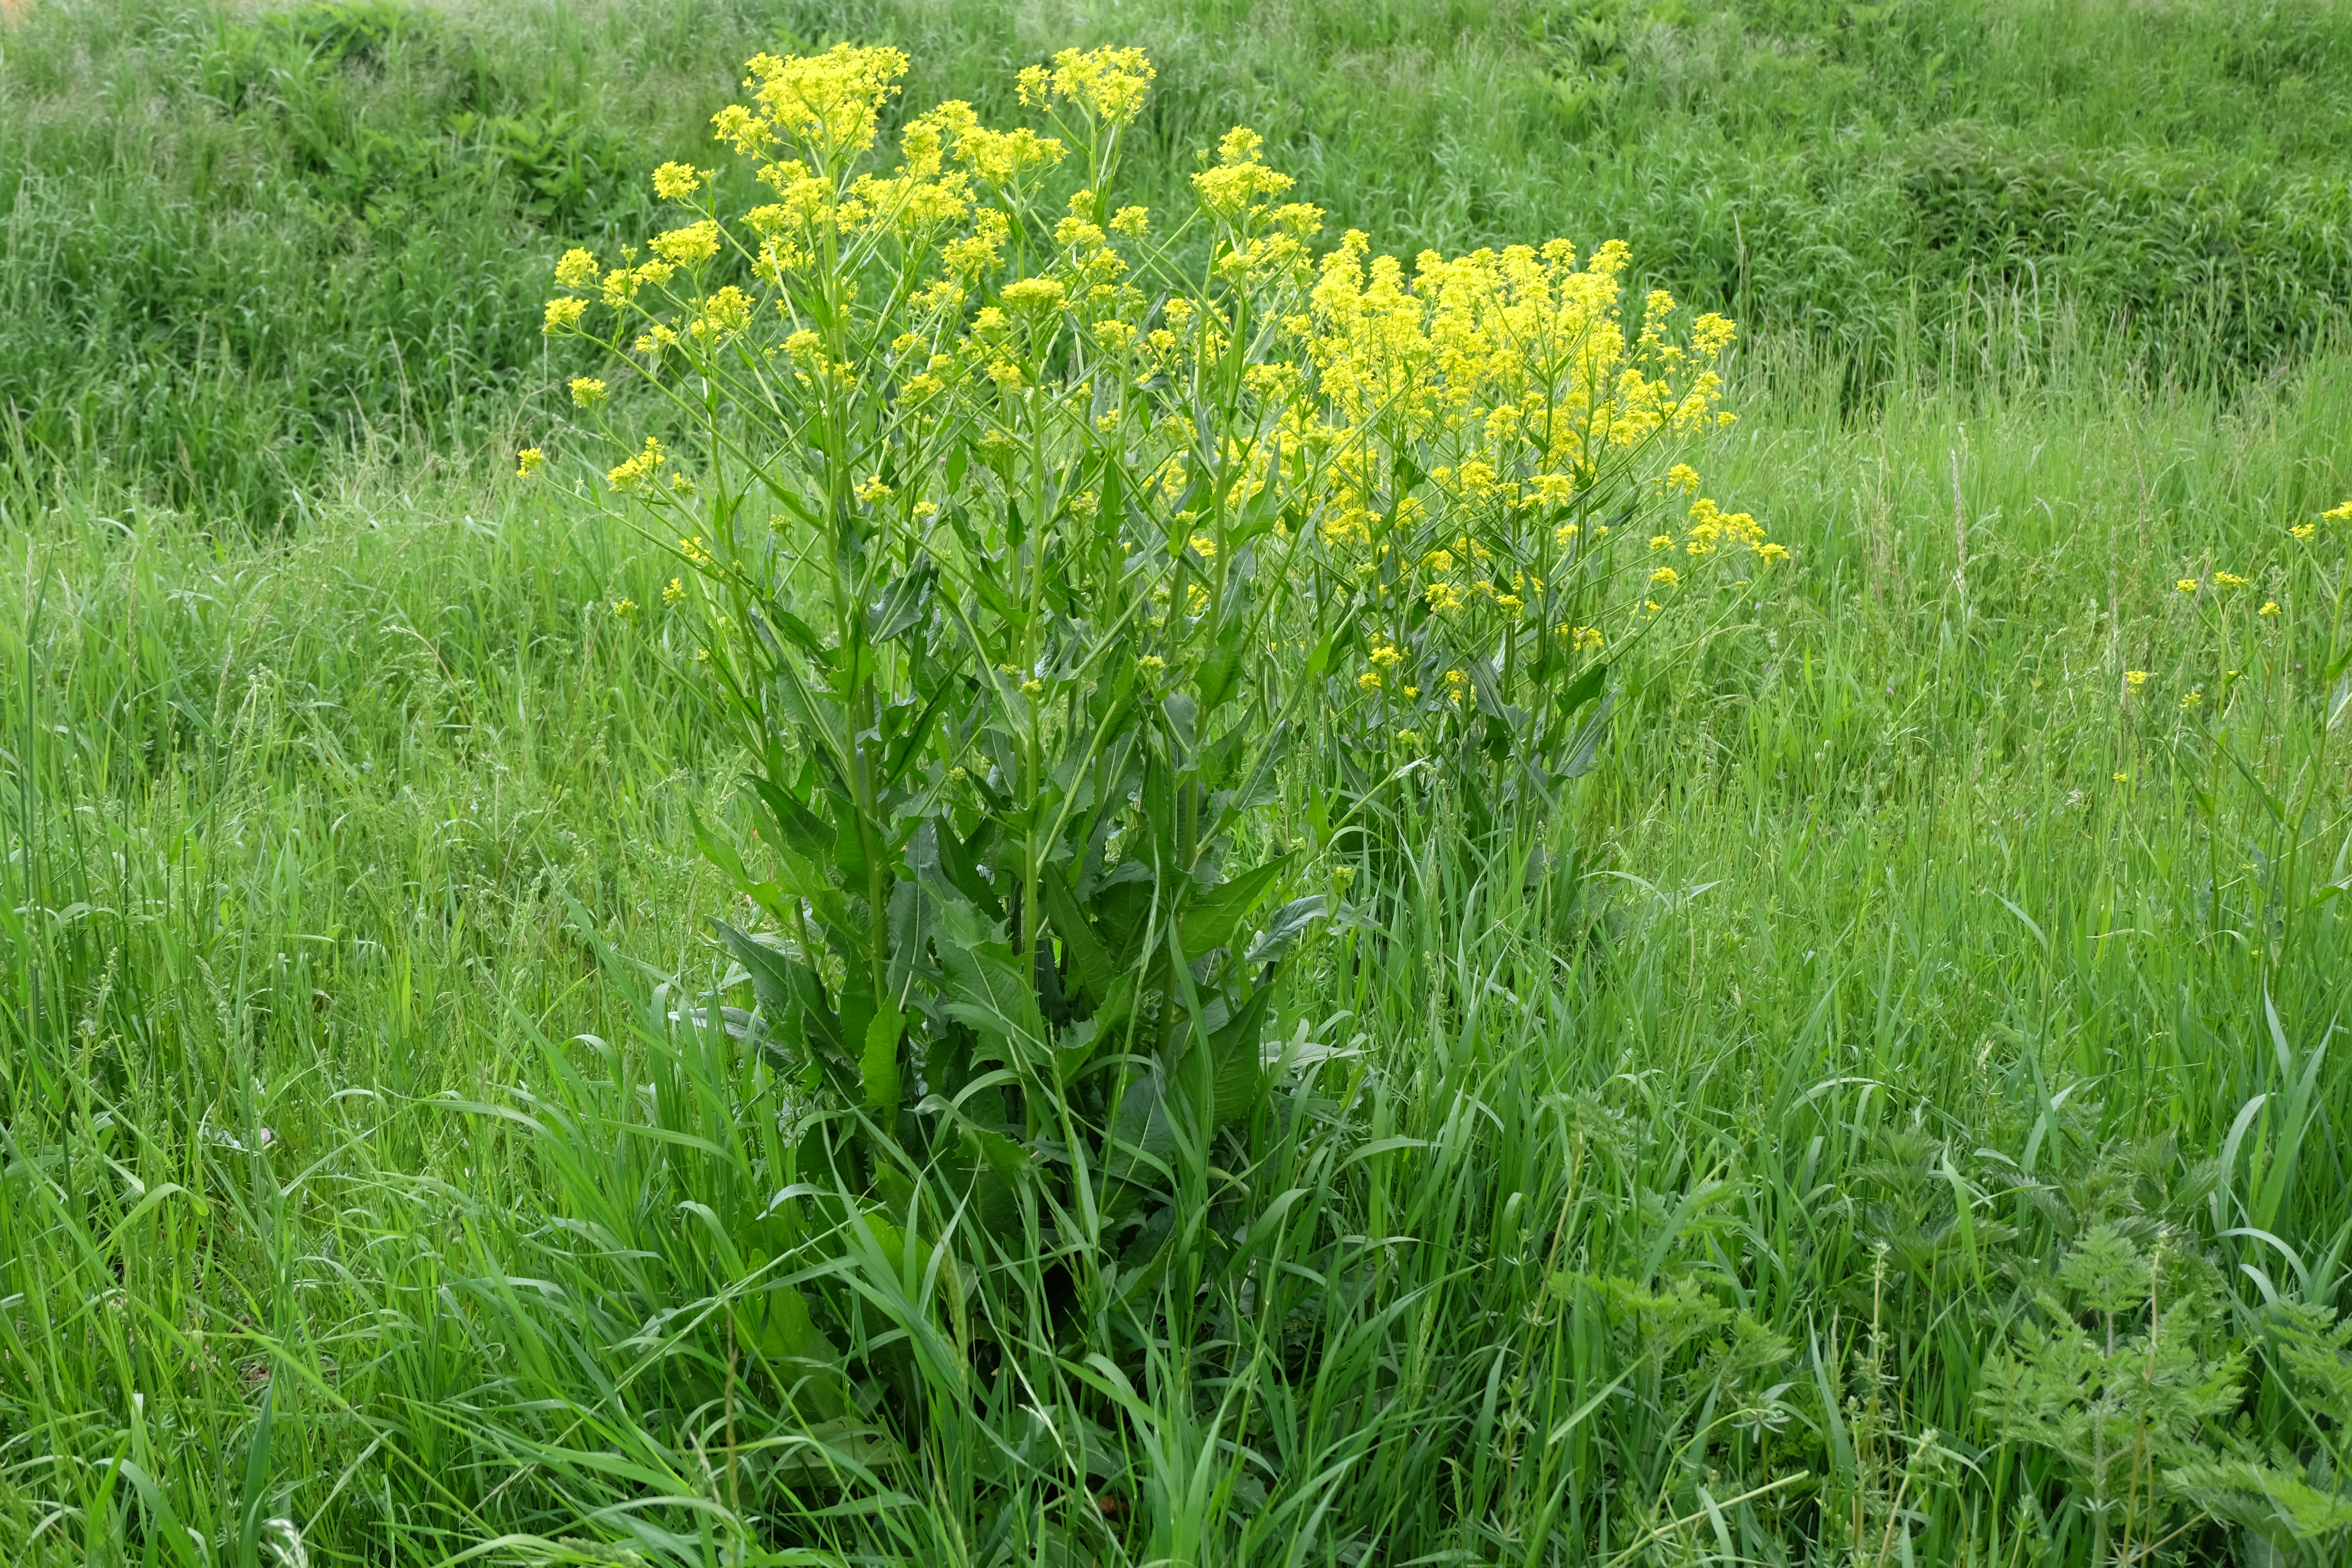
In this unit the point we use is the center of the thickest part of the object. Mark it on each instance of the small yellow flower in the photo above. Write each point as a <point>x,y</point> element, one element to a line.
<point>872,490</point>
<point>1510,602</point>
<point>692,549</point>
<point>528,461</point>
<point>1034,295</point>
<point>1196,599</point>
<point>2302,531</point>
<point>1660,540</point>
<point>674,593</point>
<point>563,314</point>
<point>2270,607</point>
<point>2228,580</point>
<point>2186,585</point>
<point>624,607</point>
<point>2192,700</point>
<point>1033,688</point>
<point>1665,574</point>
<point>1410,692</point>
<point>576,270</point>
<point>1369,680</point>
<point>1439,560</point>
<point>675,182</point>
<point>2122,778</point>
<point>1385,656</point>
<point>1771,552</point>
<point>2135,679</point>
<point>1683,477</point>
<point>1205,546</point>
<point>587,391</point>
<point>2339,515</point>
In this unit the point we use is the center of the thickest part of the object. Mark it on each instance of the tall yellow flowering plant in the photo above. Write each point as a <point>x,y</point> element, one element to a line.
<point>1492,431</point>
<point>1023,548</point>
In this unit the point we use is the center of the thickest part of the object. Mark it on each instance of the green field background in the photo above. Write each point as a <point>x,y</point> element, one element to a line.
<point>1903,943</point>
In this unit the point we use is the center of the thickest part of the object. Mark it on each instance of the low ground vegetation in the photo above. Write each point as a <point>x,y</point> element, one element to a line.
<point>1871,1099</point>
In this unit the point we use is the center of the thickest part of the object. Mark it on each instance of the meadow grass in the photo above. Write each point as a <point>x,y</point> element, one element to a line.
<point>1887,989</point>
<point>1664,1186</point>
<point>239,244</point>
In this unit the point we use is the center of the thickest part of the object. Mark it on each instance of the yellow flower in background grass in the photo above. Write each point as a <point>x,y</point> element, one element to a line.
<point>576,270</point>
<point>634,476</point>
<point>2270,607</point>
<point>674,592</point>
<point>2186,585</point>
<point>1240,178</point>
<point>2303,530</point>
<point>2339,514</point>
<point>2229,580</point>
<point>676,183</point>
<point>1107,84</point>
<point>528,461</point>
<point>563,314</point>
<point>829,104</point>
<point>587,391</point>
<point>687,247</point>
<point>2135,679</point>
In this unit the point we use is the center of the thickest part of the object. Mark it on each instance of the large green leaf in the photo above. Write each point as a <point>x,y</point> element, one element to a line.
<point>1211,917</point>
<point>985,987</point>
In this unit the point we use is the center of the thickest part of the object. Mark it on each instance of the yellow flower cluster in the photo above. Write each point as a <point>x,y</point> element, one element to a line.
<point>1106,85</point>
<point>1445,444</point>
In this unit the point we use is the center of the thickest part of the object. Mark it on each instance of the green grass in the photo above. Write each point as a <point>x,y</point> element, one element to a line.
<point>301,828</point>
<point>241,245</point>
<point>351,1174</point>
